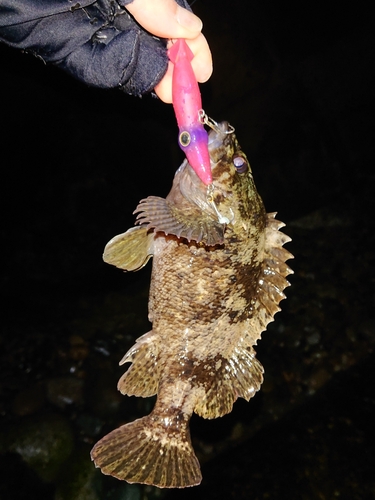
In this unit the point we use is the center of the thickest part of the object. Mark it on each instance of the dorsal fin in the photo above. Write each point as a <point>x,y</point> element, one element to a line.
<point>272,280</point>
<point>238,373</point>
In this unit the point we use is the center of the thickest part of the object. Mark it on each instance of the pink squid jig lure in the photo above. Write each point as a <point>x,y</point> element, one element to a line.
<point>187,104</point>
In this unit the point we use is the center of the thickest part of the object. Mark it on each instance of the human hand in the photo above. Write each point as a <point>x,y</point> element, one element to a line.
<point>166,19</point>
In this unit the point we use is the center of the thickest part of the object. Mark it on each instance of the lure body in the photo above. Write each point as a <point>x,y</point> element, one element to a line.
<point>187,104</point>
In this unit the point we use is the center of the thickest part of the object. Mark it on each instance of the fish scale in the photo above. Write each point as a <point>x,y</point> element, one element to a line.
<point>214,288</point>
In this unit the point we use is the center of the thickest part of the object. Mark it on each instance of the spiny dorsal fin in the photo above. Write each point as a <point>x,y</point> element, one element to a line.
<point>239,373</point>
<point>131,250</point>
<point>272,280</point>
<point>189,222</point>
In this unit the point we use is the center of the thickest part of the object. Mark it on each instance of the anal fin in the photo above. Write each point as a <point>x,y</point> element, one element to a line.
<point>142,377</point>
<point>227,379</point>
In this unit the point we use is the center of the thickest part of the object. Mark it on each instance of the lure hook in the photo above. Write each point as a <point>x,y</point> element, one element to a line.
<point>210,122</point>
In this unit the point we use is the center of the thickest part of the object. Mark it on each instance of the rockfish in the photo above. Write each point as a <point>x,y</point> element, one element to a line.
<point>218,276</point>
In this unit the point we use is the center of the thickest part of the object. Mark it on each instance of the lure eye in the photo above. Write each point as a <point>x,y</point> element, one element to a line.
<point>184,139</point>
<point>241,164</point>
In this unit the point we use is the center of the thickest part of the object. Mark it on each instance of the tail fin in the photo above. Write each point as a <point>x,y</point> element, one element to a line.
<point>149,451</point>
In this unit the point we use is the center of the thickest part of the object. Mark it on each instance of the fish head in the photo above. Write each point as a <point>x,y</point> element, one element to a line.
<point>229,164</point>
<point>232,195</point>
<point>206,214</point>
<point>233,191</point>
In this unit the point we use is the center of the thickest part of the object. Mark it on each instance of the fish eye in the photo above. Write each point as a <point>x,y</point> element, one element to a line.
<point>184,139</point>
<point>240,164</point>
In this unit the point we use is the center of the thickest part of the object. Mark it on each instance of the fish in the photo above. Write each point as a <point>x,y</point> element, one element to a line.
<point>187,104</point>
<point>219,272</point>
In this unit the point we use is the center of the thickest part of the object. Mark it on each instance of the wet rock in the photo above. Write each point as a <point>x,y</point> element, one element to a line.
<point>78,348</point>
<point>44,443</point>
<point>28,401</point>
<point>89,425</point>
<point>313,338</point>
<point>20,482</point>
<point>80,479</point>
<point>103,397</point>
<point>129,492</point>
<point>63,391</point>
<point>318,379</point>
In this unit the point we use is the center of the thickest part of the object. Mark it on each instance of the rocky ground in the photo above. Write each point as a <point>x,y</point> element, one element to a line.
<point>295,83</point>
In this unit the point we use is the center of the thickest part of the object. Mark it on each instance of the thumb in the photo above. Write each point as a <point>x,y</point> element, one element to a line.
<point>165,18</point>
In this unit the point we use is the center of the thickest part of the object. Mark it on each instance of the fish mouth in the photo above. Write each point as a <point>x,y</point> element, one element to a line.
<point>218,131</point>
<point>218,137</point>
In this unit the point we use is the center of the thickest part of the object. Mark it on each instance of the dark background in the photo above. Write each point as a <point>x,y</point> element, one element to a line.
<point>296,81</point>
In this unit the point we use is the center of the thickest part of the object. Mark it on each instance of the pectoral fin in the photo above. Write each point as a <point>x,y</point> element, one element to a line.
<point>131,250</point>
<point>188,222</point>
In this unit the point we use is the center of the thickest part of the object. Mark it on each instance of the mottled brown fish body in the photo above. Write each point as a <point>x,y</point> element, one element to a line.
<point>218,276</point>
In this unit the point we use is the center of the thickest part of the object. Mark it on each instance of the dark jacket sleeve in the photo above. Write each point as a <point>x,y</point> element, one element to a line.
<point>97,42</point>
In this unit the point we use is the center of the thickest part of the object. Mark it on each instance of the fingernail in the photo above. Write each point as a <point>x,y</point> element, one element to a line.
<point>188,20</point>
